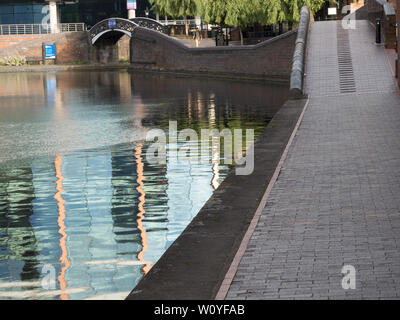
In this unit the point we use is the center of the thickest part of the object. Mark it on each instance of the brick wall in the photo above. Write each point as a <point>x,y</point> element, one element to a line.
<point>104,52</point>
<point>9,40</point>
<point>272,58</point>
<point>74,47</point>
<point>124,47</point>
<point>362,13</point>
<point>390,32</point>
<point>376,5</point>
<point>376,10</point>
<point>71,47</point>
<point>373,6</point>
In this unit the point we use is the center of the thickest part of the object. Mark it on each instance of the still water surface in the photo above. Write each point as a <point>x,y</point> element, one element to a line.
<point>79,203</point>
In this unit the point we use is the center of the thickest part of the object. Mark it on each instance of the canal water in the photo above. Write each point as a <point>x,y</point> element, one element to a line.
<point>83,213</point>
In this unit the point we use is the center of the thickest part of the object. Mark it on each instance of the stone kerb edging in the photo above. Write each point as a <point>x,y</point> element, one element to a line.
<point>297,73</point>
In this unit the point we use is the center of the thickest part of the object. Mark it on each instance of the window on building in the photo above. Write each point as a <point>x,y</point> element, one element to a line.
<point>21,14</point>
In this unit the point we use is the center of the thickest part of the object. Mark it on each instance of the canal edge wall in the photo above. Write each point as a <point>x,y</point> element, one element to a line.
<point>201,263</point>
<point>195,265</point>
<point>153,51</point>
<point>271,59</point>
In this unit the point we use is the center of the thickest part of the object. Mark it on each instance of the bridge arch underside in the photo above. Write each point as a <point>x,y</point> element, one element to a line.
<point>111,46</point>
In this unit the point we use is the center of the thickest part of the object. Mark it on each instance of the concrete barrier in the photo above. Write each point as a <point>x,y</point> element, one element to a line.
<point>297,72</point>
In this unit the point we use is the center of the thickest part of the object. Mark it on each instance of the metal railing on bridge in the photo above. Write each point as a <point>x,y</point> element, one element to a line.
<point>22,29</point>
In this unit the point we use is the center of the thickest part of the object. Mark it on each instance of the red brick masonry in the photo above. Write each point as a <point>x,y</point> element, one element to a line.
<point>270,59</point>
<point>71,47</point>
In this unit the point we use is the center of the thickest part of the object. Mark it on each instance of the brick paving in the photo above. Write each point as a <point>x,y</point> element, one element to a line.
<point>336,201</point>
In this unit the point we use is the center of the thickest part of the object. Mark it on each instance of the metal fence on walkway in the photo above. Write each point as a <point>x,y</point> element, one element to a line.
<point>178,22</point>
<point>21,29</point>
<point>72,27</point>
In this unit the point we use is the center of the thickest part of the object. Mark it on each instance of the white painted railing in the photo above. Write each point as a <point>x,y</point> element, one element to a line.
<point>13,29</point>
<point>72,27</point>
<point>178,22</point>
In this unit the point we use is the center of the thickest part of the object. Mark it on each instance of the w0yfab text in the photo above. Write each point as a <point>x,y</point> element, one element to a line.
<point>202,309</point>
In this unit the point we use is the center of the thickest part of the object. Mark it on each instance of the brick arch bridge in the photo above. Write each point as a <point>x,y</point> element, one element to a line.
<point>148,48</point>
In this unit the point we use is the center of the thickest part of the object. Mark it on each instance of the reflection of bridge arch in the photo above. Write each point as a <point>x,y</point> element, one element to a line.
<point>120,26</point>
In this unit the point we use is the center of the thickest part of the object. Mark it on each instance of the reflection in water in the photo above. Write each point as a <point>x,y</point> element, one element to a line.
<point>61,223</point>
<point>18,243</point>
<point>76,190</point>
<point>215,149</point>
<point>216,176</point>
<point>142,201</point>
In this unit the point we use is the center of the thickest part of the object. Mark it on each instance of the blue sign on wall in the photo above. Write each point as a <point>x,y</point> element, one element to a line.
<point>112,24</point>
<point>49,51</point>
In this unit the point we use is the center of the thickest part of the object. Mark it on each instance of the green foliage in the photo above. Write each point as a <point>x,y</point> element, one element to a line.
<point>124,60</point>
<point>237,13</point>
<point>214,11</point>
<point>241,13</point>
<point>175,8</point>
<point>159,6</point>
<point>13,61</point>
<point>287,10</point>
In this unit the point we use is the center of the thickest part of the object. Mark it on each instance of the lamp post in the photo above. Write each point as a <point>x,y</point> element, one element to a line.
<point>146,12</point>
<point>378,30</point>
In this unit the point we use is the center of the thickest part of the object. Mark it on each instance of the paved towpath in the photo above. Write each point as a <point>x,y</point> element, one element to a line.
<point>337,199</point>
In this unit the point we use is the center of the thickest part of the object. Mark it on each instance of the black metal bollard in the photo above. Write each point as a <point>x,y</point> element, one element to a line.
<point>378,30</point>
